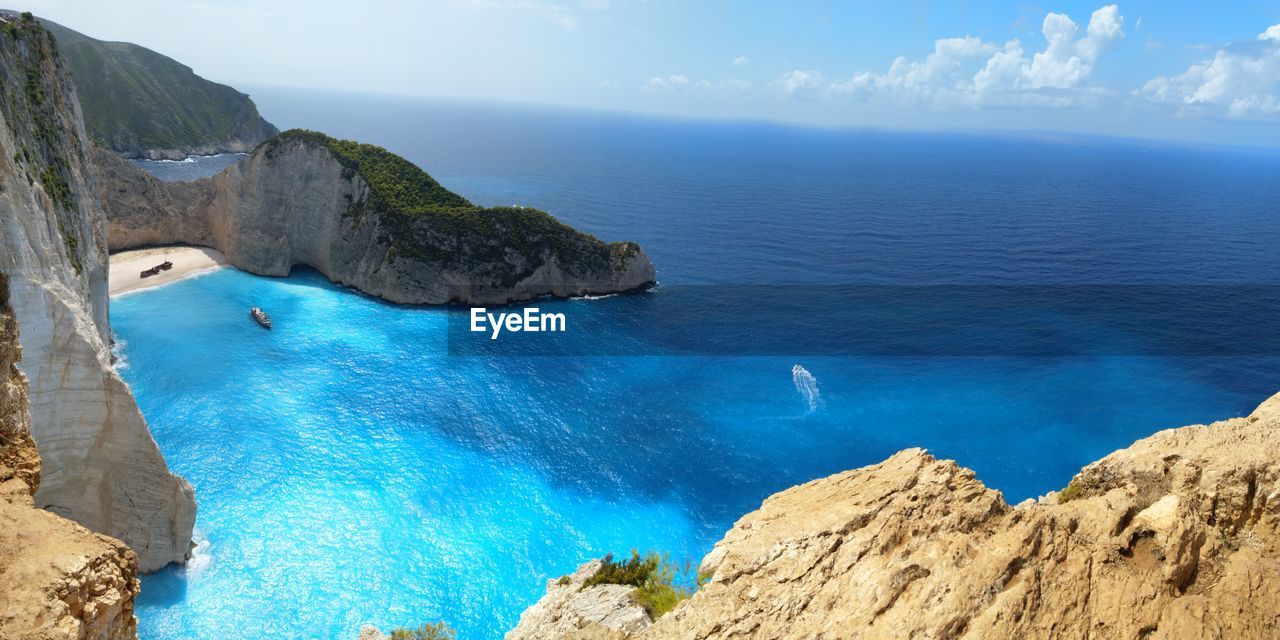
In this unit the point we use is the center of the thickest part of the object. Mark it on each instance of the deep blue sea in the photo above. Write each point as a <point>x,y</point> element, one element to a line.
<point>351,468</point>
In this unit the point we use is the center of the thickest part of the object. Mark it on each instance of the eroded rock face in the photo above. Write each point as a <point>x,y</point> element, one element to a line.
<point>57,579</point>
<point>294,202</point>
<point>19,462</point>
<point>1173,537</point>
<point>101,466</point>
<point>570,611</point>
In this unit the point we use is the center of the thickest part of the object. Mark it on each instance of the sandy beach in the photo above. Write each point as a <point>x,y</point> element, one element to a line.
<point>127,266</point>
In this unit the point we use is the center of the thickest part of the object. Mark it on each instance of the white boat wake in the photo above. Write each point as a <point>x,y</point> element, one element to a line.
<point>806,386</point>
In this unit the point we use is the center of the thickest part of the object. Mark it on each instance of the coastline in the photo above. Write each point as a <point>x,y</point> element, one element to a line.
<point>188,159</point>
<point>126,267</point>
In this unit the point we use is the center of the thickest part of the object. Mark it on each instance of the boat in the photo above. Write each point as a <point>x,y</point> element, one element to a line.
<point>259,316</point>
<point>163,266</point>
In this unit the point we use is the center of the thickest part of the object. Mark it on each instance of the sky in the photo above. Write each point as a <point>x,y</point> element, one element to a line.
<point>1180,70</point>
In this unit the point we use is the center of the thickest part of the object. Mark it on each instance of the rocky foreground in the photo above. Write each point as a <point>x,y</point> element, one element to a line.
<point>1174,537</point>
<point>57,579</point>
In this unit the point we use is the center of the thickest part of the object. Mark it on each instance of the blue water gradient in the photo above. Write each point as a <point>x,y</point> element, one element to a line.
<point>350,470</point>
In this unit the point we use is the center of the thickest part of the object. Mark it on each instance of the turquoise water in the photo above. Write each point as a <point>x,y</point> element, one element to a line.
<point>346,468</point>
<point>350,468</point>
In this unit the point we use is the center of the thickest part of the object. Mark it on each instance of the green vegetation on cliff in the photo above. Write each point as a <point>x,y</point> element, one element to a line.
<point>653,577</point>
<point>30,96</point>
<point>425,221</point>
<point>135,100</point>
<point>430,631</point>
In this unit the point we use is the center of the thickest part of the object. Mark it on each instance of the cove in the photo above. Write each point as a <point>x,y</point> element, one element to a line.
<point>349,470</point>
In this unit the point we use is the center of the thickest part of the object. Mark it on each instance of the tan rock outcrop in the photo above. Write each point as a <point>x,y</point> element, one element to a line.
<point>57,579</point>
<point>61,580</point>
<point>101,466</point>
<point>293,202</point>
<point>569,610</point>
<point>370,632</point>
<point>1174,537</point>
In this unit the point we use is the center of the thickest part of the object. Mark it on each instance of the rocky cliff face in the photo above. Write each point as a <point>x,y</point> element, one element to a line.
<point>570,610</point>
<point>58,579</point>
<point>340,207</point>
<point>1177,536</point>
<point>101,467</point>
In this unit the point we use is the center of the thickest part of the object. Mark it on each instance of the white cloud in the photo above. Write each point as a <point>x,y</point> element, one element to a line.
<point>674,82</point>
<point>1239,81</point>
<point>802,84</point>
<point>681,83</point>
<point>970,72</point>
<point>741,60</point>
<point>941,72</point>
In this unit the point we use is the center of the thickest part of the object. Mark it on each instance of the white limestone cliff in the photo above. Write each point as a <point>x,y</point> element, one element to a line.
<point>101,466</point>
<point>294,201</point>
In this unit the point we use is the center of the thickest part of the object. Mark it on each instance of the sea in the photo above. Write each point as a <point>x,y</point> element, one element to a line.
<point>826,298</point>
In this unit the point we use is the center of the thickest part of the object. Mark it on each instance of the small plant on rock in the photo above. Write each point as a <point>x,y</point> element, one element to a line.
<point>430,631</point>
<point>652,575</point>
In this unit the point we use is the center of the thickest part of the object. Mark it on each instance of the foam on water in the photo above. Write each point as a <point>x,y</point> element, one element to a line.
<point>201,556</point>
<point>120,358</point>
<point>807,386</point>
<point>190,167</point>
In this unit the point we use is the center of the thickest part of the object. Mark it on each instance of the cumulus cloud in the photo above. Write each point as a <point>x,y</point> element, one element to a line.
<point>1239,81</point>
<point>741,60</point>
<point>968,71</point>
<point>803,84</point>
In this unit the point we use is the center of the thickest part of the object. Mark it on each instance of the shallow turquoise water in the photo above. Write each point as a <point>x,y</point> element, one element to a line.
<point>332,480</point>
<point>349,470</point>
